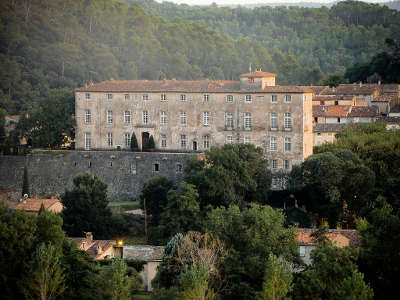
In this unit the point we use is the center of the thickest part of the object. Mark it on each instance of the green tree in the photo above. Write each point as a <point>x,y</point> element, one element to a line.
<point>49,228</point>
<point>333,80</point>
<point>85,207</point>
<point>115,281</point>
<point>277,280</point>
<point>379,258</point>
<point>151,145</point>
<point>333,274</point>
<point>182,213</point>
<point>233,174</point>
<point>46,281</point>
<point>250,236</point>
<point>25,183</point>
<point>134,143</point>
<point>154,194</point>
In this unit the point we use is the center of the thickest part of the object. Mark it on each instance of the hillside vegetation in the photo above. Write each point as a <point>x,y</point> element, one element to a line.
<point>57,44</point>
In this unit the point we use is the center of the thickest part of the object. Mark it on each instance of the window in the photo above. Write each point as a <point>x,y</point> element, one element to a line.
<point>163,141</point>
<point>183,117</point>
<point>88,116</point>
<point>127,117</point>
<point>127,138</point>
<point>87,96</point>
<point>206,118</point>
<point>316,119</point>
<point>247,121</point>
<point>336,102</point>
<point>109,117</point>
<point>183,97</point>
<point>305,98</point>
<point>288,144</point>
<point>248,98</point>
<point>229,139</point>
<point>229,98</point>
<point>274,99</point>
<point>274,164</point>
<point>179,168</point>
<point>163,118</point>
<point>145,97</point>
<point>288,98</point>
<point>136,97</point>
<point>183,141</point>
<point>229,120</point>
<point>286,164</point>
<point>109,139</point>
<point>250,79</point>
<point>206,97</point>
<point>127,97</point>
<point>156,167</point>
<point>145,117</point>
<point>274,182</point>
<point>273,143</point>
<point>319,133</point>
<point>302,251</point>
<point>247,140</point>
<point>163,97</point>
<point>274,120</point>
<point>206,142</point>
<point>109,96</point>
<point>288,121</point>
<point>88,140</point>
<point>338,120</point>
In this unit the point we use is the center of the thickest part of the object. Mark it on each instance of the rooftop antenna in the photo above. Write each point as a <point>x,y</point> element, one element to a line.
<point>250,68</point>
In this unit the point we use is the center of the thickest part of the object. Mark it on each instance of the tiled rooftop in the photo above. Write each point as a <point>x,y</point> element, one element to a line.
<point>33,205</point>
<point>144,252</point>
<point>318,127</point>
<point>303,236</point>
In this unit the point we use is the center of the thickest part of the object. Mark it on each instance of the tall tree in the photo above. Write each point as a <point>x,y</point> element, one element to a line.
<point>46,281</point>
<point>85,207</point>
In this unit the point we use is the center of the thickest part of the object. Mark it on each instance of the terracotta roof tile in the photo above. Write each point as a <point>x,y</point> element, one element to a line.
<point>351,89</point>
<point>304,237</point>
<point>187,86</point>
<point>316,89</point>
<point>34,204</point>
<point>331,110</point>
<point>363,111</point>
<point>144,252</point>
<point>393,120</point>
<point>332,97</point>
<point>258,74</point>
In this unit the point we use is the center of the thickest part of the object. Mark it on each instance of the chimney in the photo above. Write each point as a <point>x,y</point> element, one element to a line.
<point>360,84</point>
<point>98,249</point>
<point>379,82</point>
<point>89,236</point>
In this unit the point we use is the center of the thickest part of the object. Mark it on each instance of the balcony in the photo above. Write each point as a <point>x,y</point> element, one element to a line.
<point>142,125</point>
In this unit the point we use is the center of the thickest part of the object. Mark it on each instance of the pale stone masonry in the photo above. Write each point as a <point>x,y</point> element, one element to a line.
<point>195,115</point>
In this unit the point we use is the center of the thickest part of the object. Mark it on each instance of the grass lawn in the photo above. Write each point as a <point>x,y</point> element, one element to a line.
<point>142,296</point>
<point>125,205</point>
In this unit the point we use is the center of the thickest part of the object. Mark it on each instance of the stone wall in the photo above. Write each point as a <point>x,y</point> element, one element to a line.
<point>50,173</point>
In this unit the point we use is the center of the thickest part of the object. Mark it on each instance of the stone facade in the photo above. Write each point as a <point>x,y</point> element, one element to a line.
<point>124,172</point>
<point>189,116</point>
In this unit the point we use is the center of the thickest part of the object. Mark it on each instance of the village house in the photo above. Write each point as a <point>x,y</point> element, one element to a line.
<point>151,255</point>
<point>31,205</point>
<point>339,237</point>
<point>98,249</point>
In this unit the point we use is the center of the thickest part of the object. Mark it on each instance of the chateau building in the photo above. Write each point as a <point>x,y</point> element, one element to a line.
<point>185,116</point>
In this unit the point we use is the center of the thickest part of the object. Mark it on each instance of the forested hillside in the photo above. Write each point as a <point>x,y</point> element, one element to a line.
<point>330,39</point>
<point>63,44</point>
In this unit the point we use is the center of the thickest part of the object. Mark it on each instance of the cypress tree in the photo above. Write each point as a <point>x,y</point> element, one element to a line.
<point>151,144</point>
<point>134,143</point>
<point>25,183</point>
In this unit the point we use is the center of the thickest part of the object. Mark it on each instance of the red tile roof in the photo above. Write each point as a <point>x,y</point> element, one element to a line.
<point>318,127</point>
<point>188,86</point>
<point>331,110</point>
<point>95,248</point>
<point>389,120</point>
<point>34,205</point>
<point>352,89</point>
<point>332,97</point>
<point>258,74</point>
<point>304,236</point>
<point>363,112</point>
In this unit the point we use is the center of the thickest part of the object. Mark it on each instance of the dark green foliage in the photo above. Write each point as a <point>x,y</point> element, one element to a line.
<point>134,143</point>
<point>154,194</point>
<point>379,257</point>
<point>334,80</point>
<point>333,274</point>
<point>233,174</point>
<point>250,236</point>
<point>182,214</point>
<point>151,145</point>
<point>85,208</point>
<point>25,182</point>
<point>384,66</point>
